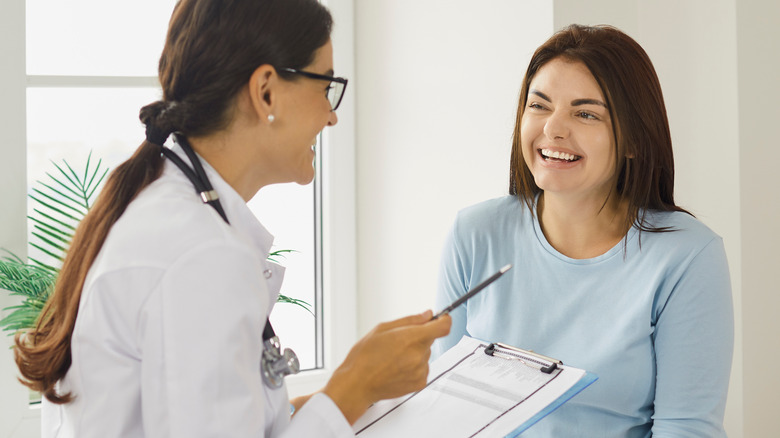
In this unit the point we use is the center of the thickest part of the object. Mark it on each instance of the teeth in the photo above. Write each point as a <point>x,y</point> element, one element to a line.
<point>558,155</point>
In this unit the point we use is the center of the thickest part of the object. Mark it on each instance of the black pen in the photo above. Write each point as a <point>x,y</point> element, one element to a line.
<point>473,291</point>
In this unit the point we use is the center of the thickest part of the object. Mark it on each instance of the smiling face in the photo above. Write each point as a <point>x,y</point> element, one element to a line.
<point>300,118</point>
<point>566,132</point>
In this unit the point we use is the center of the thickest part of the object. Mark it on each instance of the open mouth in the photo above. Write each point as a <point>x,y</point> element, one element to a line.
<point>549,155</point>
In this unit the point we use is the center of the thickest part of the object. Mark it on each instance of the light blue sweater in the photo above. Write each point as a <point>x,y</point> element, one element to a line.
<point>654,322</point>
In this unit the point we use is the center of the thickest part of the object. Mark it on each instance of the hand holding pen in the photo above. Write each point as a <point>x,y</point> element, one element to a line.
<point>473,291</point>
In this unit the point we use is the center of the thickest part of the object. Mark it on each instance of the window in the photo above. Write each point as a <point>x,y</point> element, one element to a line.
<point>84,94</point>
<point>89,67</point>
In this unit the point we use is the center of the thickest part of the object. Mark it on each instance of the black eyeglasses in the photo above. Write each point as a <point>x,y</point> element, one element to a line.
<point>335,91</point>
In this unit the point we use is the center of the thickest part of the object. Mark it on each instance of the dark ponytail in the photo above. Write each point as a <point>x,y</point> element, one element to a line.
<point>43,354</point>
<point>211,50</point>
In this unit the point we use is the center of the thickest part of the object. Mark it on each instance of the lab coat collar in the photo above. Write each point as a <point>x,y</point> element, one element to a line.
<point>241,218</point>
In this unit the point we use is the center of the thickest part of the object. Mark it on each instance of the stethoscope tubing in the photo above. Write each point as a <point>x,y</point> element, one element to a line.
<point>275,365</point>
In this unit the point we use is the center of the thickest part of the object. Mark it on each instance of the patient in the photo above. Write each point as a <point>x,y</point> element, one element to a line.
<point>609,275</point>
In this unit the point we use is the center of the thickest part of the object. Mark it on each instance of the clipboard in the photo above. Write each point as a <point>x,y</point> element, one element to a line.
<point>475,390</point>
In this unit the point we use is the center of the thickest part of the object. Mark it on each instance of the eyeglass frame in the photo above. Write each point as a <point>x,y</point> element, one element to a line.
<point>311,75</point>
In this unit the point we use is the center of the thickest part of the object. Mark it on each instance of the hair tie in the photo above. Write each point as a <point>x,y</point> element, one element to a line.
<point>156,135</point>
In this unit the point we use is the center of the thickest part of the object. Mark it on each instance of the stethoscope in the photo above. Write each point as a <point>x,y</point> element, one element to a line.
<point>275,364</point>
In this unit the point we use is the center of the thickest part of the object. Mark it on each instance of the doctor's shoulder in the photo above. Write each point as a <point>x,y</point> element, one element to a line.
<point>164,223</point>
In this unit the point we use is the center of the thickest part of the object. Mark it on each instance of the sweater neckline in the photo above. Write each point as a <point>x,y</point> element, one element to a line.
<point>612,252</point>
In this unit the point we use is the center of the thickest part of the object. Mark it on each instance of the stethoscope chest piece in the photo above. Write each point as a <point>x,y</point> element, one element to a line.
<point>276,365</point>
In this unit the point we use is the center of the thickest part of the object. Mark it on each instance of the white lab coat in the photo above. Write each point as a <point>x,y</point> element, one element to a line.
<point>168,338</point>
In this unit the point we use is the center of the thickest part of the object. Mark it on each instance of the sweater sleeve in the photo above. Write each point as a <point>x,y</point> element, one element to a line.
<point>693,341</point>
<point>452,284</point>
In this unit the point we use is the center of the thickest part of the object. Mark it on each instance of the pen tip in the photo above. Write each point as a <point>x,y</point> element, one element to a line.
<point>506,268</point>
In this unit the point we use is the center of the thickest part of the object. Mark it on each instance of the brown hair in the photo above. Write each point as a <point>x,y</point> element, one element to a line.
<point>211,50</point>
<point>636,106</point>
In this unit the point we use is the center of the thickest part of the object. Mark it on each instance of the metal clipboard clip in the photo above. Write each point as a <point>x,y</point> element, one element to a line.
<point>546,364</point>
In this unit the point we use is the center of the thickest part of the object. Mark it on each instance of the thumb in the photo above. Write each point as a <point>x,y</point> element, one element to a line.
<point>436,328</point>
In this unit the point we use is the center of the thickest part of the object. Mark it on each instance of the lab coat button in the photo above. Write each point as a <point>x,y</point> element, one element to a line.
<point>267,273</point>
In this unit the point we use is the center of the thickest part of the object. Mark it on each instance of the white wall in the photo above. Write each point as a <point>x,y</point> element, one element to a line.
<point>437,85</point>
<point>697,65</point>
<point>758,47</point>
<point>13,227</point>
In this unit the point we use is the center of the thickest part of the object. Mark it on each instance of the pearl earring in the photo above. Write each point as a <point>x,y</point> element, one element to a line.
<point>271,118</point>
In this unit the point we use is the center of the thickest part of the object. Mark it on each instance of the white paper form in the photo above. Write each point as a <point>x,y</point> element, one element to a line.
<point>470,394</point>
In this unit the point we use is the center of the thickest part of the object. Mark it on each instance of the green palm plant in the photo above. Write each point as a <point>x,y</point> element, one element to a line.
<point>60,204</point>
<point>30,281</point>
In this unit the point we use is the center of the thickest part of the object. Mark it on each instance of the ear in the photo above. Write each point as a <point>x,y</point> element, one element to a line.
<point>263,91</point>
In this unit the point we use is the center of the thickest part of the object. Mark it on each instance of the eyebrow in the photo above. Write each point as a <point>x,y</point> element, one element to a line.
<point>575,102</point>
<point>542,95</point>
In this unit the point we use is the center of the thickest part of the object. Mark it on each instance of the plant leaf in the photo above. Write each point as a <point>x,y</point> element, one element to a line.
<point>92,192</point>
<point>65,186</point>
<point>27,280</point>
<point>51,243</point>
<point>76,183</point>
<point>51,207</point>
<point>11,256</point>
<point>41,265</point>
<point>95,172</point>
<point>67,236</point>
<point>80,184</point>
<point>76,200</point>
<point>86,167</point>
<point>46,251</point>
<point>274,255</point>
<point>51,234</point>
<point>20,319</point>
<point>63,200</point>
<point>301,303</point>
<point>53,219</point>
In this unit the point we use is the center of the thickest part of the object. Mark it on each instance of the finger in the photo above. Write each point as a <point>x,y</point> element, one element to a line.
<point>418,319</point>
<point>425,334</point>
<point>438,327</point>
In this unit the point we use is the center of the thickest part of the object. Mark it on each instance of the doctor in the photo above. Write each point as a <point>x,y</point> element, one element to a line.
<point>155,327</point>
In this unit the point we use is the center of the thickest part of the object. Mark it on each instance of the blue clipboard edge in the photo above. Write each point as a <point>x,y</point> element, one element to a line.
<point>585,381</point>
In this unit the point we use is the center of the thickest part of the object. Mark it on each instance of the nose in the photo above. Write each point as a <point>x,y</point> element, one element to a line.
<point>333,118</point>
<point>556,126</point>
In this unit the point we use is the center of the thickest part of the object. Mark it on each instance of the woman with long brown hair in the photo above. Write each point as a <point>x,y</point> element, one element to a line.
<point>158,324</point>
<point>609,275</point>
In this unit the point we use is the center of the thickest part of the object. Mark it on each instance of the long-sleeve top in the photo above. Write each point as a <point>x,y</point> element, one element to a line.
<point>652,317</point>
<point>168,338</point>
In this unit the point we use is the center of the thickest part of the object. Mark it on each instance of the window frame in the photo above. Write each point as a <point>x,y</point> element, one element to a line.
<point>336,238</point>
